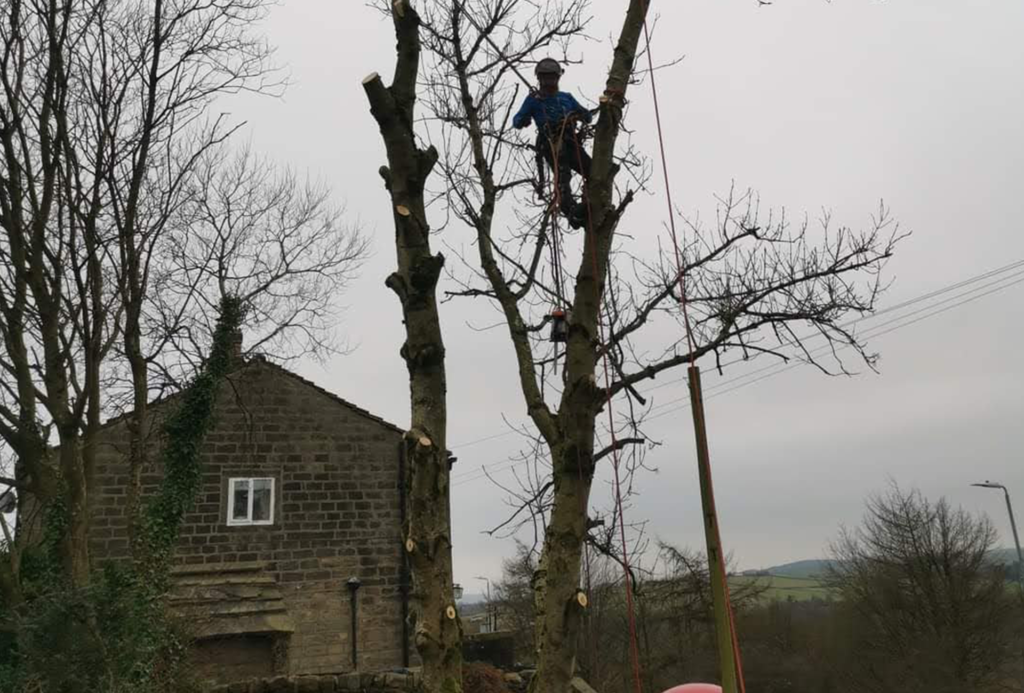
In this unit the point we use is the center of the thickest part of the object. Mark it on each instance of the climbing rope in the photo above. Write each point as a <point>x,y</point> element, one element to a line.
<point>556,147</point>
<point>616,460</point>
<point>681,282</point>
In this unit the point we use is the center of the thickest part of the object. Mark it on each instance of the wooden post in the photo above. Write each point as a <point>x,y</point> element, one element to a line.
<point>716,556</point>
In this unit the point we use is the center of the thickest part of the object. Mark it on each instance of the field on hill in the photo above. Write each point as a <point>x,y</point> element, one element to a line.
<point>783,588</point>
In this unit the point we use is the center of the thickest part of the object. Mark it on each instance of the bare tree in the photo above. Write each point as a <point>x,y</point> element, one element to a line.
<point>93,94</point>
<point>438,630</point>
<point>926,609</point>
<point>753,284</point>
<point>251,230</point>
<point>107,138</point>
<point>513,596</point>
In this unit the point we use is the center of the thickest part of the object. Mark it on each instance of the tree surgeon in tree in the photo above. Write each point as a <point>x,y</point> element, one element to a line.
<point>555,113</point>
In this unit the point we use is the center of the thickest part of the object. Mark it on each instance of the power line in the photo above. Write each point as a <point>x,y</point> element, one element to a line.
<point>777,368</point>
<point>782,368</point>
<point>890,309</point>
<point>1018,264</point>
<point>752,377</point>
<point>868,334</point>
<point>471,443</point>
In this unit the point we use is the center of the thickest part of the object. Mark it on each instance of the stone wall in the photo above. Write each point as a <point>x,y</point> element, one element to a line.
<point>349,683</point>
<point>336,517</point>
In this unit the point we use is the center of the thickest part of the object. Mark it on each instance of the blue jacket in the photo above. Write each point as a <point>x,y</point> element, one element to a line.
<point>549,111</point>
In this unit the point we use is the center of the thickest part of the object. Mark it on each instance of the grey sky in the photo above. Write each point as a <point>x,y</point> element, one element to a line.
<point>814,105</point>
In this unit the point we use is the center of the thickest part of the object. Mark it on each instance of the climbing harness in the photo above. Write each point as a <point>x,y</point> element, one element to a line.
<point>554,146</point>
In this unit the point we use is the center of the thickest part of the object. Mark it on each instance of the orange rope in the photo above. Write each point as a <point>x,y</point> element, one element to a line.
<point>680,277</point>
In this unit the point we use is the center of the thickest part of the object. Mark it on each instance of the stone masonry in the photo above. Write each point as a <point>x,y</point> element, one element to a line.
<point>280,591</point>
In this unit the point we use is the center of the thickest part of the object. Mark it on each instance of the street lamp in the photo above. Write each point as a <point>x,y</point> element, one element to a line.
<point>492,626</point>
<point>1013,526</point>
<point>457,591</point>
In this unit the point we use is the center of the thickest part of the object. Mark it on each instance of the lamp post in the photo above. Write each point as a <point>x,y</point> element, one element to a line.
<point>1013,526</point>
<point>1016,540</point>
<point>492,626</point>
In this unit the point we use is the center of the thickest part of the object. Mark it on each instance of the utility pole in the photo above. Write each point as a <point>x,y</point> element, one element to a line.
<point>728,648</point>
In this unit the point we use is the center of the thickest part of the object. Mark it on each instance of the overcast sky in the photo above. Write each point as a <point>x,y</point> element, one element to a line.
<point>814,105</point>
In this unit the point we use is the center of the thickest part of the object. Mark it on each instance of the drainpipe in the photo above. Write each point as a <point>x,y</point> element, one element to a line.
<point>404,577</point>
<point>353,587</point>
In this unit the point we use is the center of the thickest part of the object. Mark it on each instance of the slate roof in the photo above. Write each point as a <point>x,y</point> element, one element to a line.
<point>261,361</point>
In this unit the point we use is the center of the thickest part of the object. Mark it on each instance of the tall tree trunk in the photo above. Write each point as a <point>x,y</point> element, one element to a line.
<point>134,287</point>
<point>559,600</point>
<point>438,631</point>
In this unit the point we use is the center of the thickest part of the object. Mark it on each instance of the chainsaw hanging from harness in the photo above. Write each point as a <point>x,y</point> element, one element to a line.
<point>559,326</point>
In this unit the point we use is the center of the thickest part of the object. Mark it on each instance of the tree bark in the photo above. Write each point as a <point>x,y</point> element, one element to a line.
<point>438,631</point>
<point>569,432</point>
<point>558,596</point>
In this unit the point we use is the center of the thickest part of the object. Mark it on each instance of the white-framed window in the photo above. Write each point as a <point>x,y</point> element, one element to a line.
<point>251,501</point>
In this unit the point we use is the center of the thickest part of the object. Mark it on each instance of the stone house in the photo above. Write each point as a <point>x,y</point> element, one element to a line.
<point>291,561</point>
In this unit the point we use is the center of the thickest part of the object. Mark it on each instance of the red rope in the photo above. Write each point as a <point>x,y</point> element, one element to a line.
<point>681,279</point>
<point>556,196</point>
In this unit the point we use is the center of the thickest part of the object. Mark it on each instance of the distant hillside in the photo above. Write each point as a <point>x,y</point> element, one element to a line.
<point>784,589</point>
<point>810,568</point>
<point>817,567</point>
<point>1003,556</point>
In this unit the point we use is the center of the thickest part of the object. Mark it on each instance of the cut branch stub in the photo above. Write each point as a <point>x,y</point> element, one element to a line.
<point>370,77</point>
<point>403,210</point>
<point>397,284</point>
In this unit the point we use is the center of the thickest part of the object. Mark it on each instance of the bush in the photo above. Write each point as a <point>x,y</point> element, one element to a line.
<point>111,636</point>
<point>478,677</point>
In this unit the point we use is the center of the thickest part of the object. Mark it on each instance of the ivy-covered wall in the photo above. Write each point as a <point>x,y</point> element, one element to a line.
<point>336,473</point>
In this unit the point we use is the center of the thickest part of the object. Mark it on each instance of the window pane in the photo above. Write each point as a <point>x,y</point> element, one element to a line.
<point>240,509</point>
<point>262,490</point>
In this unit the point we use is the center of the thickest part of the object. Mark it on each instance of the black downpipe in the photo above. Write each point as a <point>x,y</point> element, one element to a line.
<point>404,571</point>
<point>353,588</point>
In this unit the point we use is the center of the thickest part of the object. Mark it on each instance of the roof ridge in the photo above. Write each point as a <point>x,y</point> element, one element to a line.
<point>261,360</point>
